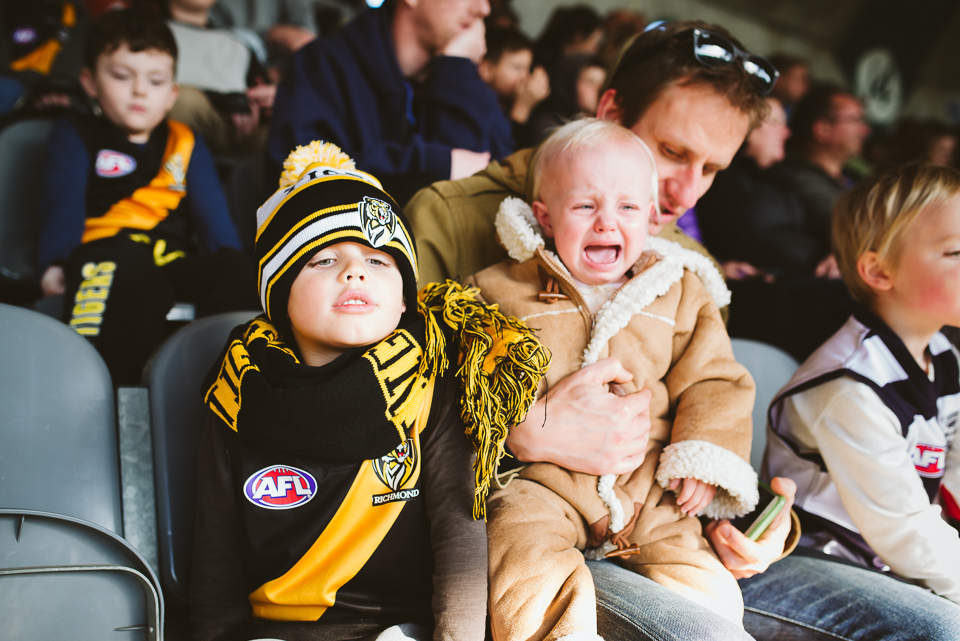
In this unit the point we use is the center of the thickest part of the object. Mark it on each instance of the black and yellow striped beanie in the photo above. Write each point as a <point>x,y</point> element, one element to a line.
<point>323,200</point>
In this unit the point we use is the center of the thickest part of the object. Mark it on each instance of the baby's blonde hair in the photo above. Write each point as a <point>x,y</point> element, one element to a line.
<point>581,134</point>
<point>874,215</point>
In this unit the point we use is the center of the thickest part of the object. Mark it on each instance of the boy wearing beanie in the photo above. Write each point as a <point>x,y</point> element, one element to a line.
<point>335,478</point>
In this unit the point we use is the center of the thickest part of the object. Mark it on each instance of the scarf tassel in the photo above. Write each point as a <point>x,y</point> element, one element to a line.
<point>501,364</point>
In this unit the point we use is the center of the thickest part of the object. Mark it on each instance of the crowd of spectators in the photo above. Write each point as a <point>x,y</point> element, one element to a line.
<point>442,101</point>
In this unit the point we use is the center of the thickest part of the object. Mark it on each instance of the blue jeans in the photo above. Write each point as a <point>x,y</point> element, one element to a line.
<point>803,597</point>
<point>632,607</point>
<point>796,598</point>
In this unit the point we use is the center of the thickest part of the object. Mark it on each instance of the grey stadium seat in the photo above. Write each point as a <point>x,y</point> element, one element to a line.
<point>21,158</point>
<point>58,433</point>
<point>771,368</point>
<point>177,413</point>
<point>62,578</point>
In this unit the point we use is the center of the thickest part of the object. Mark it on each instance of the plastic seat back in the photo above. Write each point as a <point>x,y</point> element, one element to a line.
<point>62,578</point>
<point>245,193</point>
<point>771,368</point>
<point>58,434</point>
<point>177,414</point>
<point>21,159</point>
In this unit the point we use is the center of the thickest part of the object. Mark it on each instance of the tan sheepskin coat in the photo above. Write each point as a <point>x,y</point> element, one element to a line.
<point>665,327</point>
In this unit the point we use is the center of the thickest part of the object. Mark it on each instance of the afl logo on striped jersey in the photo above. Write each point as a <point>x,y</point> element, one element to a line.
<point>113,164</point>
<point>280,488</point>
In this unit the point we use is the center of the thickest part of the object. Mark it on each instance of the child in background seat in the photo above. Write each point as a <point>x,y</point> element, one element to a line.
<point>124,196</point>
<point>867,425</point>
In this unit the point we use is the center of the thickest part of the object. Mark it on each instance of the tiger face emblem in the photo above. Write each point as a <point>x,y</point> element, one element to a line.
<point>397,467</point>
<point>174,167</point>
<point>379,221</point>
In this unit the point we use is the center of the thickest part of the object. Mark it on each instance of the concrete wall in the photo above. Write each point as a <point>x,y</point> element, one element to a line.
<point>931,98</point>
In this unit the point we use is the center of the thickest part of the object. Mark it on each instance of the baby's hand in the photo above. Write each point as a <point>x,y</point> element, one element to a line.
<point>695,495</point>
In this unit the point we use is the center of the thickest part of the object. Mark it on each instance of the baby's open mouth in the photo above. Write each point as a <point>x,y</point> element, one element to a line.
<point>602,254</point>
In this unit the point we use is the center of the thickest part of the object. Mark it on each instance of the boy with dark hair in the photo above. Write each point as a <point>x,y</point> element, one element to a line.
<point>125,193</point>
<point>506,69</point>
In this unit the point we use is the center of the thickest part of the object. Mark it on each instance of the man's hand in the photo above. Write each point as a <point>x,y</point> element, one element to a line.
<point>464,162</point>
<point>289,36</point>
<point>263,96</point>
<point>740,270</point>
<point>743,557</point>
<point>53,282</point>
<point>695,495</point>
<point>530,92</point>
<point>587,428</point>
<point>828,268</point>
<point>471,43</point>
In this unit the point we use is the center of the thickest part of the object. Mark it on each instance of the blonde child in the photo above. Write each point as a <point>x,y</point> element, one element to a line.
<point>866,426</point>
<point>606,289</point>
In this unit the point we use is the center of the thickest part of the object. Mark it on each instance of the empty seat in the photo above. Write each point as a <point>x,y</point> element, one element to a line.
<point>58,434</point>
<point>62,578</point>
<point>177,413</point>
<point>65,571</point>
<point>21,159</point>
<point>771,368</point>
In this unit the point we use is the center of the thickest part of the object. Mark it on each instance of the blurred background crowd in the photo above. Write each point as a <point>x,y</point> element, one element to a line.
<point>252,96</point>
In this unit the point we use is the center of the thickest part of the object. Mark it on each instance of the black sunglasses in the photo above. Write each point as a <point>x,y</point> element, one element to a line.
<point>713,50</point>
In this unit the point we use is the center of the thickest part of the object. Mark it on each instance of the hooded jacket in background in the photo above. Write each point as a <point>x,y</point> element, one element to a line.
<point>748,215</point>
<point>348,89</point>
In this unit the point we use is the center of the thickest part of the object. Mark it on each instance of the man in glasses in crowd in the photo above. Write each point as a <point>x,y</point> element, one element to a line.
<point>827,130</point>
<point>692,94</point>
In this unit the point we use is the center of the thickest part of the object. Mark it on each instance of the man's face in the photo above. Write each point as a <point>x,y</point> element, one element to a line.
<point>134,90</point>
<point>846,129</point>
<point>596,204</point>
<point>765,144</point>
<point>693,132</point>
<point>505,76</point>
<point>439,21</point>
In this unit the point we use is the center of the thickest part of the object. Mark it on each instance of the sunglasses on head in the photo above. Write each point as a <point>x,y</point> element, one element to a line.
<point>713,50</point>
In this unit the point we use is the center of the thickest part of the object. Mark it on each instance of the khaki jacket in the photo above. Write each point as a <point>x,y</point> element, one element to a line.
<point>664,326</point>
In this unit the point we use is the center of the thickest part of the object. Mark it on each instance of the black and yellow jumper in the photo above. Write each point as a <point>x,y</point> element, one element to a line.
<point>366,552</point>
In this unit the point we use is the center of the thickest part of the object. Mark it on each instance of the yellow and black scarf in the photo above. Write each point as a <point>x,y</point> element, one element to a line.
<point>362,405</point>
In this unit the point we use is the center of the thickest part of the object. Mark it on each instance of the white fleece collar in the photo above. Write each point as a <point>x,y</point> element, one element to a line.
<point>521,236</point>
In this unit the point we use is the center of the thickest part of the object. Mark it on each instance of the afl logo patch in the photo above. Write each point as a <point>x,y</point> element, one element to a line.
<point>24,36</point>
<point>113,164</point>
<point>280,488</point>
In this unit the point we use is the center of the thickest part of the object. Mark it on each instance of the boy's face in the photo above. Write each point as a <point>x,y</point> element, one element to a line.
<point>348,295</point>
<point>505,75</point>
<point>926,280</point>
<point>596,204</point>
<point>134,90</point>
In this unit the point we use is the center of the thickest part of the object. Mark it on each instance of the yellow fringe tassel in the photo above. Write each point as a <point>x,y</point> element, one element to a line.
<point>501,363</point>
